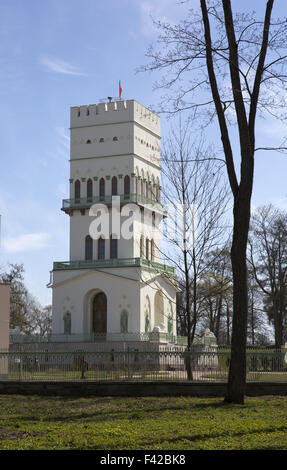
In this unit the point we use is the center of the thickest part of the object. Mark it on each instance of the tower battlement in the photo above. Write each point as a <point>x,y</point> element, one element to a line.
<point>114,112</point>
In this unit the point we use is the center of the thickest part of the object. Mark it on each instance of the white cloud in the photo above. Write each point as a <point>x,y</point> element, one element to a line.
<point>169,11</point>
<point>60,66</point>
<point>26,242</point>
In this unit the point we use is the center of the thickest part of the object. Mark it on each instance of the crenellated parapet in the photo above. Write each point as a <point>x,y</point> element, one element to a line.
<point>115,111</point>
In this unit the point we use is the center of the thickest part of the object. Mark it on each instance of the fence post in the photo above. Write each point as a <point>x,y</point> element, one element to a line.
<point>20,368</point>
<point>83,368</point>
<point>129,373</point>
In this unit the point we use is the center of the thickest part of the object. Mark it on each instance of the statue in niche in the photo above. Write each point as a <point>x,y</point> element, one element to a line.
<point>147,322</point>
<point>124,322</point>
<point>67,323</point>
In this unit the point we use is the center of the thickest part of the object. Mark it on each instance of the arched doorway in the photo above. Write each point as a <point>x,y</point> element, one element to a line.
<point>99,313</point>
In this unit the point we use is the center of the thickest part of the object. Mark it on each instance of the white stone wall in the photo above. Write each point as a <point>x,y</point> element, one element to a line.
<point>127,289</point>
<point>74,291</point>
<point>148,293</point>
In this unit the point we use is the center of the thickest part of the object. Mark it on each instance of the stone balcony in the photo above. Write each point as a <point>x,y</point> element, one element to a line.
<point>113,263</point>
<point>83,203</point>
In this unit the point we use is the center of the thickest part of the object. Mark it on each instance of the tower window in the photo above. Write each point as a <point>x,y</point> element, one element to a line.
<point>77,190</point>
<point>101,248</point>
<point>127,187</point>
<point>89,189</point>
<point>115,139</point>
<point>114,186</point>
<point>88,248</point>
<point>88,141</point>
<point>102,139</point>
<point>113,248</point>
<point>102,189</point>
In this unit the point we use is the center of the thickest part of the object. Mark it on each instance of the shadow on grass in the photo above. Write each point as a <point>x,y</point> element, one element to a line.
<point>137,410</point>
<point>216,435</point>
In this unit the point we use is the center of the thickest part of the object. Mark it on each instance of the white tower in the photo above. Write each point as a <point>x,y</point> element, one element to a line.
<point>114,285</point>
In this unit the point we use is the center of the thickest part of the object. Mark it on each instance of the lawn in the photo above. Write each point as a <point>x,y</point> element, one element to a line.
<point>34,422</point>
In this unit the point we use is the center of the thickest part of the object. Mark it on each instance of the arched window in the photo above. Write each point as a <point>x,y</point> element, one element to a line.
<point>102,189</point>
<point>157,193</point>
<point>114,186</point>
<point>152,250</point>
<point>88,248</point>
<point>115,139</point>
<point>153,219</point>
<point>102,139</point>
<point>127,187</point>
<point>101,248</point>
<point>77,190</point>
<point>89,190</point>
<point>146,190</point>
<point>88,141</point>
<point>113,247</point>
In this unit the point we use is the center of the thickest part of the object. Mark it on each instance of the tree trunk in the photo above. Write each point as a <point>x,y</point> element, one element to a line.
<point>237,371</point>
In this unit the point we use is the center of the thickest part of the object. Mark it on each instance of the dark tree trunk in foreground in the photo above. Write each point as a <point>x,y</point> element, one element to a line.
<point>241,190</point>
<point>237,371</point>
<point>225,57</point>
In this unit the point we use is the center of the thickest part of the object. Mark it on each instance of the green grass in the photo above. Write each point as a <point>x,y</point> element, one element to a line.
<point>34,422</point>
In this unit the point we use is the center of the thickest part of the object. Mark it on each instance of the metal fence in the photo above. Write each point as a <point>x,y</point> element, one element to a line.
<point>133,364</point>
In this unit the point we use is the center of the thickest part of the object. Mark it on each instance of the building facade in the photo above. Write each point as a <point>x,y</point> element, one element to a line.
<point>114,284</point>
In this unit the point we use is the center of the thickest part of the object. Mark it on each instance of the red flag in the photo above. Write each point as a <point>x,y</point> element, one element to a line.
<point>120,90</point>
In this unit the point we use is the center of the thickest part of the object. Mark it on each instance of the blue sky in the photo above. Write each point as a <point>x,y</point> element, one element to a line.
<point>60,53</point>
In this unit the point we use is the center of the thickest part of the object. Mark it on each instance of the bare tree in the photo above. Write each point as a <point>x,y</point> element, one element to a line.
<point>268,259</point>
<point>26,313</point>
<point>235,70</point>
<point>197,198</point>
<point>39,318</point>
<point>18,296</point>
<point>216,289</point>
